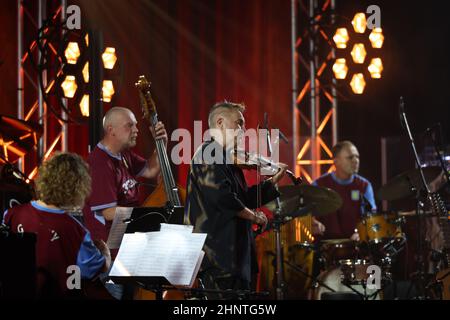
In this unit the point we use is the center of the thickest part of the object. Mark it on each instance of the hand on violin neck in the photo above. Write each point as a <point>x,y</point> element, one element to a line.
<point>280,174</point>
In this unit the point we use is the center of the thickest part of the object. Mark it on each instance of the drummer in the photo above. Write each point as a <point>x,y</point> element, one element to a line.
<point>355,191</point>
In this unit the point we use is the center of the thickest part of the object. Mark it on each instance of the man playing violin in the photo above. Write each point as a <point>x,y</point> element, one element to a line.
<point>220,203</point>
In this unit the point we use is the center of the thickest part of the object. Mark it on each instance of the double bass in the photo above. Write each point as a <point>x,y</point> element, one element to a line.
<point>167,192</point>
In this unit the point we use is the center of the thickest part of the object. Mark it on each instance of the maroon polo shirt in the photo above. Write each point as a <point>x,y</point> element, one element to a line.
<point>61,242</point>
<point>113,184</point>
<point>342,223</point>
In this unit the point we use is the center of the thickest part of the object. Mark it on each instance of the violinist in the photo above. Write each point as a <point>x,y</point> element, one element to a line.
<point>220,203</point>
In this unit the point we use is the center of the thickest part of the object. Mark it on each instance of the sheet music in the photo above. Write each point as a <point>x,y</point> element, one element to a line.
<point>176,227</point>
<point>197,267</point>
<point>180,270</point>
<point>171,254</point>
<point>133,244</point>
<point>118,227</point>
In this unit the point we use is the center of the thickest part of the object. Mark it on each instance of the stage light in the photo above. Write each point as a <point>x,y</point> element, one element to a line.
<point>359,53</point>
<point>107,90</point>
<point>375,68</point>
<point>86,72</point>
<point>363,51</point>
<point>72,52</point>
<point>340,68</point>
<point>69,86</point>
<point>84,105</point>
<point>376,38</point>
<point>358,83</point>
<point>109,57</point>
<point>86,39</point>
<point>359,23</point>
<point>341,38</point>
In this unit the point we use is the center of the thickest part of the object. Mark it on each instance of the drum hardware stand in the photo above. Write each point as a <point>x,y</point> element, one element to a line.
<point>439,256</point>
<point>277,222</point>
<point>279,272</point>
<point>420,274</point>
<point>315,282</point>
<point>436,149</point>
<point>364,295</point>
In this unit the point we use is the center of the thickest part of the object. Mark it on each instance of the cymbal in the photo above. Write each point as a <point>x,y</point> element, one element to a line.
<point>400,187</point>
<point>321,201</point>
<point>337,241</point>
<point>413,213</point>
<point>17,137</point>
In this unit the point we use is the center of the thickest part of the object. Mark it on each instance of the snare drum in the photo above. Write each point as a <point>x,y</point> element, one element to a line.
<point>378,228</point>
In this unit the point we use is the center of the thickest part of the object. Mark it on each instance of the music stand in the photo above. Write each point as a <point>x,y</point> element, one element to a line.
<point>148,219</point>
<point>166,268</point>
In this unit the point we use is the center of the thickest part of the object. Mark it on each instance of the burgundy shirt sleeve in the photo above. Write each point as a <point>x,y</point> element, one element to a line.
<point>137,163</point>
<point>104,186</point>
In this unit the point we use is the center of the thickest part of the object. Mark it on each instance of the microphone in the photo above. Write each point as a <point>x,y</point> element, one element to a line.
<point>266,126</point>
<point>401,109</point>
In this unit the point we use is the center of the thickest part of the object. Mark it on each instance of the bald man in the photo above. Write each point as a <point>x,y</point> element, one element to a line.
<point>354,190</point>
<point>115,168</point>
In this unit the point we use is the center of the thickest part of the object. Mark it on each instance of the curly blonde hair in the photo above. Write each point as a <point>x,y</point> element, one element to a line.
<point>64,181</point>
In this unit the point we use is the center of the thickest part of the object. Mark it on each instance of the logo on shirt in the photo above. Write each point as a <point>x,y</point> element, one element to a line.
<point>55,236</point>
<point>355,195</point>
<point>128,185</point>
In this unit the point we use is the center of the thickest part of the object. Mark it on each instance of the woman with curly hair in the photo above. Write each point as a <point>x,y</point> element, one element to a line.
<point>62,185</point>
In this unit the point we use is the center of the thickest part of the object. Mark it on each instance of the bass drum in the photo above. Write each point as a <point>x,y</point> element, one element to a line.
<point>333,279</point>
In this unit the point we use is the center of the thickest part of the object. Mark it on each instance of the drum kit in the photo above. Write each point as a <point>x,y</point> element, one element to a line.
<point>353,269</point>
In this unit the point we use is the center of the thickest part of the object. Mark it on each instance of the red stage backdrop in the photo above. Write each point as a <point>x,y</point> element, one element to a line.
<point>197,53</point>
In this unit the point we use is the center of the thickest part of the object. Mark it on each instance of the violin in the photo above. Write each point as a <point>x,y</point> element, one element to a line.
<point>253,161</point>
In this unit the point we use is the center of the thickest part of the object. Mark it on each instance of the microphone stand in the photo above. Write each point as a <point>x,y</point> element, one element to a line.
<point>277,222</point>
<point>279,271</point>
<point>420,192</point>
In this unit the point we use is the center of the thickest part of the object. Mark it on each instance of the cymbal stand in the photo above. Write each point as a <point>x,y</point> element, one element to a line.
<point>420,192</point>
<point>279,271</point>
<point>315,280</point>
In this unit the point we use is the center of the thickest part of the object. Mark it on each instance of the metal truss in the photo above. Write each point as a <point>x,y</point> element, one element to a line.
<point>29,23</point>
<point>314,102</point>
